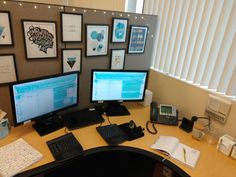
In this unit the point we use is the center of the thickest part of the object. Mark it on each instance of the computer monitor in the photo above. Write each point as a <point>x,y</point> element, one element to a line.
<point>116,86</point>
<point>40,99</point>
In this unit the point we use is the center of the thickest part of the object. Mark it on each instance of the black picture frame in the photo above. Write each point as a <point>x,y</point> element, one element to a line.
<point>71,27</point>
<point>71,60</point>
<point>6,35</point>
<point>97,40</point>
<point>137,39</point>
<point>117,59</point>
<point>8,70</point>
<point>40,38</point>
<point>119,30</point>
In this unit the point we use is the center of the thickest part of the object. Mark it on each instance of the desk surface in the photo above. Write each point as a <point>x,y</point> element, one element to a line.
<point>211,161</point>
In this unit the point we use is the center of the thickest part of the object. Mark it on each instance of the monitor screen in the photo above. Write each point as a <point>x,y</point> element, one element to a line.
<point>34,98</point>
<point>125,85</point>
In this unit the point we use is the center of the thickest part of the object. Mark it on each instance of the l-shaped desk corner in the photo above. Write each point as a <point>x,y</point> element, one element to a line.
<point>209,164</point>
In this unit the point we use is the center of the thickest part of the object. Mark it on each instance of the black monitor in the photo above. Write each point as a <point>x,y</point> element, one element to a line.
<point>116,86</point>
<point>40,99</point>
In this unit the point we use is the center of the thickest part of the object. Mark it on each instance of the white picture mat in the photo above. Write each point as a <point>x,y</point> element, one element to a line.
<point>117,59</point>
<point>72,27</point>
<point>7,69</point>
<point>94,43</point>
<point>32,49</point>
<point>116,21</point>
<point>5,22</point>
<point>71,53</point>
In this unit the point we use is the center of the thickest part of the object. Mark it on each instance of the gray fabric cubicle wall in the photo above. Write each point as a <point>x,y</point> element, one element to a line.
<point>43,67</point>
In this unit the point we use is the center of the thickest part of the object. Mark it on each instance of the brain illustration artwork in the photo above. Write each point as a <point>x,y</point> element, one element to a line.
<point>41,37</point>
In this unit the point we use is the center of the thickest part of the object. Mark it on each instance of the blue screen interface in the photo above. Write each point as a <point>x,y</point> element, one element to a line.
<point>36,98</point>
<point>121,85</point>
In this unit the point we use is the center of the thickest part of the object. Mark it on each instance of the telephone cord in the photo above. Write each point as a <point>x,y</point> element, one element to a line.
<point>153,126</point>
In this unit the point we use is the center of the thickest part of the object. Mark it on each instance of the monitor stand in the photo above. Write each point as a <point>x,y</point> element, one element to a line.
<point>115,109</point>
<point>48,124</point>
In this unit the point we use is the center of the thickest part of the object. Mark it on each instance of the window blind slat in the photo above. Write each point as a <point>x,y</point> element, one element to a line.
<point>218,39</point>
<point>147,7</point>
<point>230,65</point>
<point>200,39</point>
<point>167,35</point>
<point>184,43</point>
<point>179,34</point>
<point>152,5</point>
<point>156,44</point>
<point>192,38</point>
<point>208,41</point>
<point>155,7</point>
<point>232,85</point>
<point>225,47</point>
<point>162,30</point>
<point>173,35</point>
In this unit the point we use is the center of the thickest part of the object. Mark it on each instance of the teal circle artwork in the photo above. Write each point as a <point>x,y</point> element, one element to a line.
<point>120,31</point>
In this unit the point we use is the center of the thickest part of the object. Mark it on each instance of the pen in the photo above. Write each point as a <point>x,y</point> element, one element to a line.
<point>184,153</point>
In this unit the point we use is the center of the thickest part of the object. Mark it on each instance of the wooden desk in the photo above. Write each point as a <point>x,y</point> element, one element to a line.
<point>211,162</point>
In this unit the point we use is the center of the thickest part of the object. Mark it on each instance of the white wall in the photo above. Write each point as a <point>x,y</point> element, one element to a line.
<point>190,100</point>
<point>116,5</point>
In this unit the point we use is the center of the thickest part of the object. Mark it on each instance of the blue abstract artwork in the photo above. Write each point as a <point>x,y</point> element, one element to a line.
<point>137,39</point>
<point>97,40</point>
<point>119,29</point>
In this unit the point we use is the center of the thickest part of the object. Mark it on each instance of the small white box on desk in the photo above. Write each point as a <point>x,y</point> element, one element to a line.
<point>147,98</point>
<point>233,154</point>
<point>225,144</point>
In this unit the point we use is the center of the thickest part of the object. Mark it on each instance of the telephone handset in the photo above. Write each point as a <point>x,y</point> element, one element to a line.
<point>165,114</point>
<point>153,112</point>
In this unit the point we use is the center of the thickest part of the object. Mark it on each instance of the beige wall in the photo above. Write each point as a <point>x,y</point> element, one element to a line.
<point>116,5</point>
<point>190,100</point>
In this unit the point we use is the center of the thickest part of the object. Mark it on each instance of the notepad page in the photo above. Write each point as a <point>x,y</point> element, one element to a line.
<point>16,156</point>
<point>189,157</point>
<point>166,144</point>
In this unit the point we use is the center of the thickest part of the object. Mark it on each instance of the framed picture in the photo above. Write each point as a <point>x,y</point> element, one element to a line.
<point>117,59</point>
<point>71,60</point>
<point>137,40</point>
<point>7,68</point>
<point>71,25</point>
<point>6,37</point>
<point>119,29</point>
<point>40,39</point>
<point>97,40</point>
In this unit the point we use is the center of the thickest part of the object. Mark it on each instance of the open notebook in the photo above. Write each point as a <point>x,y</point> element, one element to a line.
<point>172,147</point>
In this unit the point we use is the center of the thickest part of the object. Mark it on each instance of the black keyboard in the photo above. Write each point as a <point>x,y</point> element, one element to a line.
<point>112,134</point>
<point>65,147</point>
<point>82,118</point>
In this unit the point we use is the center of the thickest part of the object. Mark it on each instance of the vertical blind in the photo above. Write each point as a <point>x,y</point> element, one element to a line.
<point>196,42</point>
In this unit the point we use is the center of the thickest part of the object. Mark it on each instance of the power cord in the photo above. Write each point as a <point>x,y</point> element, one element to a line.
<point>108,119</point>
<point>153,126</point>
<point>195,118</point>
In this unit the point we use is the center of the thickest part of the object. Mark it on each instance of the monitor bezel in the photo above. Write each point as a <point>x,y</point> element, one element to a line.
<point>117,101</point>
<point>15,123</point>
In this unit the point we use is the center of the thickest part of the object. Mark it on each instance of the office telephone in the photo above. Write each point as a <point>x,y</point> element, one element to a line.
<point>164,114</point>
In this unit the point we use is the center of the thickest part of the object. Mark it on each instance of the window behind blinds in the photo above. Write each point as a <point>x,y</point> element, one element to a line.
<point>196,42</point>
